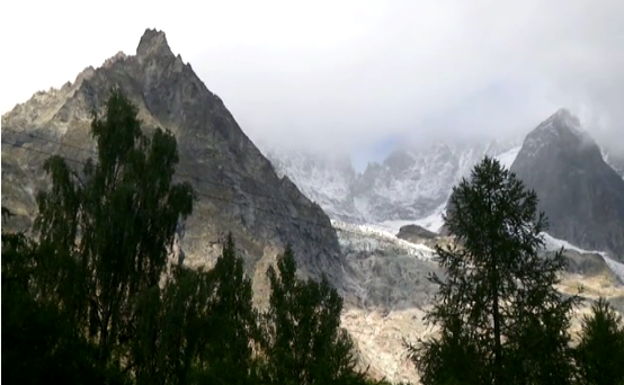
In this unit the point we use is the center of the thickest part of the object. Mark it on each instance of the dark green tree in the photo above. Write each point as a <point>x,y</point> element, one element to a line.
<point>173,328</point>
<point>109,228</point>
<point>200,328</point>
<point>40,343</point>
<point>452,359</point>
<point>497,307</point>
<point>305,343</point>
<point>232,324</point>
<point>600,353</point>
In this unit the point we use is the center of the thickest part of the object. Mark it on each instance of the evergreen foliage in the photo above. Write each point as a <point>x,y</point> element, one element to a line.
<point>95,299</point>
<point>600,353</point>
<point>500,317</point>
<point>305,342</point>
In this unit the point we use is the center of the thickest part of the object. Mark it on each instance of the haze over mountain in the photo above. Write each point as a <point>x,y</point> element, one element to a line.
<point>408,185</point>
<point>375,72</point>
<point>582,193</point>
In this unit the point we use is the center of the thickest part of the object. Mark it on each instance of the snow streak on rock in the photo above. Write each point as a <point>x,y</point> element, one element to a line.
<point>554,244</point>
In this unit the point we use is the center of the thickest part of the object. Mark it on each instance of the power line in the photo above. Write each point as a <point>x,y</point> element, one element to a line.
<point>213,197</point>
<point>177,173</point>
<point>185,175</point>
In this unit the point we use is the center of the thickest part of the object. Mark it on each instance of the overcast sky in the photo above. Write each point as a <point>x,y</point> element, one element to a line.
<point>358,75</point>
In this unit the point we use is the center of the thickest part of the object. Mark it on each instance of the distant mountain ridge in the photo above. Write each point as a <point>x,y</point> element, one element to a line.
<point>413,185</point>
<point>409,184</point>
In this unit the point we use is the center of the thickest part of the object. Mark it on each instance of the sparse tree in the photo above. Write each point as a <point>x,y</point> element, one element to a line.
<point>497,308</point>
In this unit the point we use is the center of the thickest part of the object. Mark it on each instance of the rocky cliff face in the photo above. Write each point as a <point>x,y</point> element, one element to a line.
<point>238,188</point>
<point>582,195</point>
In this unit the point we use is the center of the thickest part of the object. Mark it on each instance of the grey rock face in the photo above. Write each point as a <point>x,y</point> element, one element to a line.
<point>415,234</point>
<point>393,273</point>
<point>238,188</point>
<point>582,196</point>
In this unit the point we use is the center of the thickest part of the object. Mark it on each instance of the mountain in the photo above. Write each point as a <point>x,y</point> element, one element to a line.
<point>409,184</point>
<point>327,180</point>
<point>238,188</point>
<point>615,160</point>
<point>580,193</point>
<point>396,292</point>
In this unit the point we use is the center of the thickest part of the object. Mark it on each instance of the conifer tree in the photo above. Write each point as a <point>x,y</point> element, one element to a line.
<point>500,317</point>
<point>600,353</point>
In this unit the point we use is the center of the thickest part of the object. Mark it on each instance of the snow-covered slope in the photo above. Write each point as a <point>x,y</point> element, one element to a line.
<point>369,241</point>
<point>507,158</point>
<point>327,180</point>
<point>411,183</point>
<point>434,221</point>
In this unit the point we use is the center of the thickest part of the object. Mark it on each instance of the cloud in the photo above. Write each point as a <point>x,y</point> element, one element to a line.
<point>346,75</point>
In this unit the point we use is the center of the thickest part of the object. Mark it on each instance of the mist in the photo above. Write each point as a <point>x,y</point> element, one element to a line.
<point>353,76</point>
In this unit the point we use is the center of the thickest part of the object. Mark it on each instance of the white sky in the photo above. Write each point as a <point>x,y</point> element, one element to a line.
<point>349,74</point>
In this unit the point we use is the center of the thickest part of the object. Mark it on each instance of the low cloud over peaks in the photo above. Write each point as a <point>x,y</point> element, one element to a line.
<point>346,76</point>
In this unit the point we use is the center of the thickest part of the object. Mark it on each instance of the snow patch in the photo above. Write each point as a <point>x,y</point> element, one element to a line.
<point>368,238</point>
<point>507,158</point>
<point>432,222</point>
<point>391,227</point>
<point>553,244</point>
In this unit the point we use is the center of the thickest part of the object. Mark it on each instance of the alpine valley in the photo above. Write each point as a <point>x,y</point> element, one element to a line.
<point>371,233</point>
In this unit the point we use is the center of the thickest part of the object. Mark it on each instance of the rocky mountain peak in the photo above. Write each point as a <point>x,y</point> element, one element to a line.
<point>580,193</point>
<point>560,133</point>
<point>238,189</point>
<point>153,44</point>
<point>562,122</point>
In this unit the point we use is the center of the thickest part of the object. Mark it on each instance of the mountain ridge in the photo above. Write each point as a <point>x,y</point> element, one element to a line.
<point>409,184</point>
<point>235,182</point>
<point>580,193</point>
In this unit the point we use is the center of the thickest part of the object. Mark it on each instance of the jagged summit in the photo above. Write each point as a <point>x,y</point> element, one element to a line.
<point>582,195</point>
<point>237,187</point>
<point>153,43</point>
<point>560,132</point>
<point>410,184</point>
<point>562,120</point>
